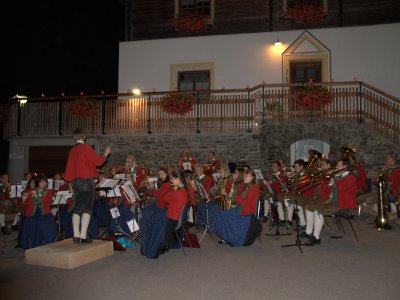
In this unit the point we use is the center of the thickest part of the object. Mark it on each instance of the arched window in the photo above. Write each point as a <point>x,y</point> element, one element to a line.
<point>300,149</point>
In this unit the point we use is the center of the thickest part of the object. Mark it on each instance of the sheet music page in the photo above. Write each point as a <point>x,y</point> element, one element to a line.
<point>128,193</point>
<point>24,184</point>
<point>133,225</point>
<point>62,197</point>
<point>16,191</point>
<point>216,176</point>
<point>114,212</point>
<point>187,166</point>
<point>107,183</point>
<point>119,176</point>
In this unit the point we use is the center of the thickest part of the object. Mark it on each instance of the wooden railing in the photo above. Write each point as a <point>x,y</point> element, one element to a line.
<point>235,110</point>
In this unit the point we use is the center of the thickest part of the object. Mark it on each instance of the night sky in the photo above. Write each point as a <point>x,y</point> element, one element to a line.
<point>59,46</point>
<point>55,46</point>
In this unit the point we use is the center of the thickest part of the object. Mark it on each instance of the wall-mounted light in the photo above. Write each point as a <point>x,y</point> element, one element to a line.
<point>22,99</point>
<point>278,43</point>
<point>136,91</point>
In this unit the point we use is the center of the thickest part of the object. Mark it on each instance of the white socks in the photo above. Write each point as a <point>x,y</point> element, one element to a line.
<point>318,223</point>
<point>300,214</point>
<point>85,219</point>
<point>76,222</point>
<point>310,222</point>
<point>2,220</point>
<point>281,214</point>
<point>266,208</point>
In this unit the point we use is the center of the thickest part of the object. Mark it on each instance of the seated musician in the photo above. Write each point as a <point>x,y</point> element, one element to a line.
<point>187,161</point>
<point>192,189</point>
<point>113,172</point>
<point>158,232</point>
<point>361,173</point>
<point>344,190</point>
<point>4,200</point>
<point>238,225</point>
<point>301,191</point>
<point>212,161</point>
<point>164,188</point>
<point>39,227</point>
<point>393,177</point>
<point>314,218</point>
<point>278,191</point>
<point>236,181</point>
<point>135,169</point>
<point>222,187</point>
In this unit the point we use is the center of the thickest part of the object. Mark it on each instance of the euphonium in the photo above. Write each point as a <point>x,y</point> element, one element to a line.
<point>347,152</point>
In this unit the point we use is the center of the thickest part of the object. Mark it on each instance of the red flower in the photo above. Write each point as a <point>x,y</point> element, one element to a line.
<point>176,103</point>
<point>84,107</point>
<point>313,96</point>
<point>191,22</point>
<point>306,13</point>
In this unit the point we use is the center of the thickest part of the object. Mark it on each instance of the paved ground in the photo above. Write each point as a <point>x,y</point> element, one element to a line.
<point>336,269</point>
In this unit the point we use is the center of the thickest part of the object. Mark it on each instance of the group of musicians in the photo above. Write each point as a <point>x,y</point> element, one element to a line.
<point>225,201</point>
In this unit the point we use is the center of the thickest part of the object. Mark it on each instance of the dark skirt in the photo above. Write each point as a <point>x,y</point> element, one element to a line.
<point>38,230</point>
<point>213,212</point>
<point>152,229</point>
<point>232,227</point>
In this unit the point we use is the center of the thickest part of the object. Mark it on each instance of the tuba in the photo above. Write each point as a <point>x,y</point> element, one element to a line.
<point>347,152</point>
<point>314,160</point>
<point>382,220</point>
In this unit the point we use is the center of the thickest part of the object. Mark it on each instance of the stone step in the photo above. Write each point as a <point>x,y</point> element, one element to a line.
<point>67,255</point>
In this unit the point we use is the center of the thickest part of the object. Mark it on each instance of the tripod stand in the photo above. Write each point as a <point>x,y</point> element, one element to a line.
<point>275,222</point>
<point>207,226</point>
<point>297,243</point>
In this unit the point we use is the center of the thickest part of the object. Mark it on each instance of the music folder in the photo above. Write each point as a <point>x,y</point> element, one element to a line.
<point>61,197</point>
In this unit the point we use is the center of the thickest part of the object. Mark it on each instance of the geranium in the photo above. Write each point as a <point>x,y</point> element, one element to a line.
<point>313,96</point>
<point>191,22</point>
<point>177,103</point>
<point>84,107</point>
<point>306,13</point>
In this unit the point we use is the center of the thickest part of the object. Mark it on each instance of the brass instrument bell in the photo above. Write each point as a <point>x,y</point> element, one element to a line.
<point>347,152</point>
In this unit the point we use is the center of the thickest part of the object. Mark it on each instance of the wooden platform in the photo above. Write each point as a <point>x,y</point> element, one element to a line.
<point>67,255</point>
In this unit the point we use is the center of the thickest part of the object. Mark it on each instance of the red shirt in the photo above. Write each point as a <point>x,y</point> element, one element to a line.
<point>207,183</point>
<point>82,163</point>
<point>30,206</point>
<point>247,202</point>
<point>324,191</point>
<point>192,195</point>
<point>394,181</point>
<point>176,200</point>
<point>161,193</point>
<point>361,177</point>
<point>347,191</point>
<point>275,185</point>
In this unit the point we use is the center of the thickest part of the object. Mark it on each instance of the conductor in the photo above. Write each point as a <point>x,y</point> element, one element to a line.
<point>80,172</point>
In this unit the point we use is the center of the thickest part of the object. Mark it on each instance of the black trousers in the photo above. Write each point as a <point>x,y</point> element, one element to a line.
<point>84,196</point>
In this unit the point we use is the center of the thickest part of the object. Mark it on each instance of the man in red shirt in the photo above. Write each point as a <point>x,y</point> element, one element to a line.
<point>80,171</point>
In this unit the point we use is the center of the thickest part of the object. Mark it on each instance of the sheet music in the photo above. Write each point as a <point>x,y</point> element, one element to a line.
<point>61,197</point>
<point>133,225</point>
<point>57,184</point>
<point>119,176</point>
<point>187,166</point>
<point>114,212</point>
<point>216,176</point>
<point>50,184</point>
<point>107,184</point>
<point>115,192</point>
<point>128,193</point>
<point>16,191</point>
<point>259,175</point>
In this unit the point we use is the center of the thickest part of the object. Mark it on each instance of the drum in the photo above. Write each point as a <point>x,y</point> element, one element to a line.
<point>208,169</point>
<point>7,207</point>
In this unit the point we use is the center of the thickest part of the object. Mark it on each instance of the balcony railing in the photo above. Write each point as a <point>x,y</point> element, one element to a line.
<point>234,110</point>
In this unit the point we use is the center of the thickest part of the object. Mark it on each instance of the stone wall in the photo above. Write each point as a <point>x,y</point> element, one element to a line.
<point>258,149</point>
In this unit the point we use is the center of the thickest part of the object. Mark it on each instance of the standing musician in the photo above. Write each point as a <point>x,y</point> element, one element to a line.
<point>135,169</point>
<point>186,162</point>
<point>81,171</point>
<point>213,162</point>
<point>39,227</point>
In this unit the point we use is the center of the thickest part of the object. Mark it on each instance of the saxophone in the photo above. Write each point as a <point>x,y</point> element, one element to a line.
<point>228,199</point>
<point>217,190</point>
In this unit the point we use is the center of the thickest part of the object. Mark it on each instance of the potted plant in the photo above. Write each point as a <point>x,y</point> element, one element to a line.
<point>190,22</point>
<point>84,107</point>
<point>177,103</point>
<point>308,14</point>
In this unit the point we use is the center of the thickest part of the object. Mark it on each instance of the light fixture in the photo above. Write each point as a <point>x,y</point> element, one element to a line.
<point>136,91</point>
<point>22,99</point>
<point>278,43</point>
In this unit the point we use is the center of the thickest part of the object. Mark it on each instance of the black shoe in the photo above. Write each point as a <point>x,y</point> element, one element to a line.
<point>14,227</point>
<point>76,240</point>
<point>86,241</point>
<point>302,228</point>
<point>222,242</point>
<point>264,219</point>
<point>3,229</point>
<point>313,241</point>
<point>304,235</point>
<point>280,222</point>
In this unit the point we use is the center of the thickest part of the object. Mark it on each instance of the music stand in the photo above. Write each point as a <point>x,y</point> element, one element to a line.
<point>107,185</point>
<point>204,195</point>
<point>61,198</point>
<point>297,243</point>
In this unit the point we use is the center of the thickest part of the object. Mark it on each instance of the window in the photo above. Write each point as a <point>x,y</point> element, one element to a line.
<point>201,7</point>
<point>193,80</point>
